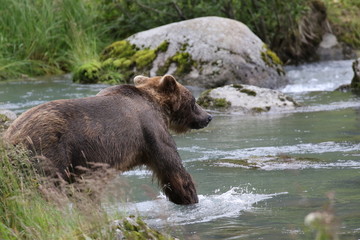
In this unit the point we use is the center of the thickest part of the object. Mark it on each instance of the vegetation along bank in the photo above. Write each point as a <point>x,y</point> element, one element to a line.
<point>51,37</point>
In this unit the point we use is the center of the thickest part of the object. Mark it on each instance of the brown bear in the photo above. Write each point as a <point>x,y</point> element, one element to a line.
<point>123,126</point>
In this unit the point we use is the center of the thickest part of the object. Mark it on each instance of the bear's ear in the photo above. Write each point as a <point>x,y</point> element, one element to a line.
<point>168,83</point>
<point>140,79</point>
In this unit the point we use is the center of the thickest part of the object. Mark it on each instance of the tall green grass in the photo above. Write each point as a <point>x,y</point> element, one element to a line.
<point>26,214</point>
<point>40,37</point>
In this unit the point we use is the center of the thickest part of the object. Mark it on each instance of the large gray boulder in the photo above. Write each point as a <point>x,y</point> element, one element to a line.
<point>246,99</point>
<point>221,51</point>
<point>205,52</point>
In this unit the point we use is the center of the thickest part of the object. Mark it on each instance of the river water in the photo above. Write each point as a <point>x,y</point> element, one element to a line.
<point>257,176</point>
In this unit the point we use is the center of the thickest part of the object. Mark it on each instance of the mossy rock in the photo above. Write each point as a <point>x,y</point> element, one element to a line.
<point>183,61</point>
<point>206,101</point>
<point>87,73</point>
<point>201,56</point>
<point>118,63</point>
<point>136,229</point>
<point>246,99</point>
<point>272,60</point>
<point>117,50</point>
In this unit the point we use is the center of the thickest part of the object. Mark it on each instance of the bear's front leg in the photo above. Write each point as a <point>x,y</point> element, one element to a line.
<point>179,187</point>
<point>165,161</point>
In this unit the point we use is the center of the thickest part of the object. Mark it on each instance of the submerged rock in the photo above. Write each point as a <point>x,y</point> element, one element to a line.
<point>206,52</point>
<point>278,162</point>
<point>245,99</point>
<point>355,82</point>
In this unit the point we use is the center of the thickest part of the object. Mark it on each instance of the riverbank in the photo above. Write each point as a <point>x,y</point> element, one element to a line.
<point>54,37</point>
<point>31,207</point>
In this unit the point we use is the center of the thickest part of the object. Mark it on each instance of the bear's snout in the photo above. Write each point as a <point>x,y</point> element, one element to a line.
<point>202,122</point>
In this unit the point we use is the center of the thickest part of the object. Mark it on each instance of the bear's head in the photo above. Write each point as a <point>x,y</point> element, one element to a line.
<point>178,103</point>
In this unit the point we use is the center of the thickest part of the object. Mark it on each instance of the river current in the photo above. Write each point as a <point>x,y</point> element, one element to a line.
<point>257,176</point>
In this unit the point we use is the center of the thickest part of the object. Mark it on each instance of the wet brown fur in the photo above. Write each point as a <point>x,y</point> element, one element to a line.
<point>123,126</point>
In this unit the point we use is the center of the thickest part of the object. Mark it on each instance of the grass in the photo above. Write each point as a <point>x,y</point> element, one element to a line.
<point>33,206</point>
<point>26,214</point>
<point>41,37</point>
<point>344,17</point>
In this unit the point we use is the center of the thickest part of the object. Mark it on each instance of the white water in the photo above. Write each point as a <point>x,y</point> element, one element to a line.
<point>322,76</point>
<point>231,203</point>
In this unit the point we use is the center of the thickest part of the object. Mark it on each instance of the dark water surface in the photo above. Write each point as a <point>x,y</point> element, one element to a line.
<point>257,176</point>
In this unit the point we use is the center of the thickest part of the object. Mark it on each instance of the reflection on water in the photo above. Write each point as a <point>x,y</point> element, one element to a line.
<point>257,176</point>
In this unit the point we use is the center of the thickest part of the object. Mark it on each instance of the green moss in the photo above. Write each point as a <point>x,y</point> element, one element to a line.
<point>183,61</point>
<point>204,99</point>
<point>118,62</point>
<point>237,86</point>
<point>221,103</point>
<point>271,56</point>
<point>209,102</point>
<point>122,63</point>
<point>260,110</point>
<point>272,60</point>
<point>136,229</point>
<point>127,59</point>
<point>87,73</point>
<point>119,49</point>
<point>163,47</point>
<point>184,47</point>
<point>248,92</point>
<point>144,57</point>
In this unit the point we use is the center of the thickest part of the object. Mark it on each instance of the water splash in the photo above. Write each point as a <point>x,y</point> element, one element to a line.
<point>210,207</point>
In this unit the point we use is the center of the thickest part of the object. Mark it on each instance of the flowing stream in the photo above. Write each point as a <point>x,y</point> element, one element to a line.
<point>257,176</point>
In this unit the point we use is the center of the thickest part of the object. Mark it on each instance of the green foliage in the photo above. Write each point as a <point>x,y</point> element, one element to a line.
<point>47,37</point>
<point>272,21</point>
<point>32,208</point>
<point>26,214</point>
<point>344,16</point>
